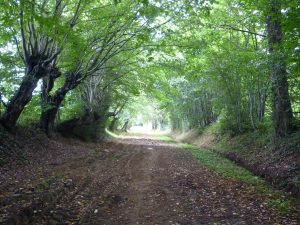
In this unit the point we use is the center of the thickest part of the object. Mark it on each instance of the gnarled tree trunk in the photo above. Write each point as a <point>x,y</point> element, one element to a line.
<point>53,103</point>
<point>22,97</point>
<point>48,115</point>
<point>48,103</point>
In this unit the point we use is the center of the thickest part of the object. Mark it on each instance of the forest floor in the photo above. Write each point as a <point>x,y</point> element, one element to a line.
<point>135,180</point>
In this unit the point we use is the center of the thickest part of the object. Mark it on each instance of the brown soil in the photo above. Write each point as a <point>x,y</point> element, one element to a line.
<point>130,181</point>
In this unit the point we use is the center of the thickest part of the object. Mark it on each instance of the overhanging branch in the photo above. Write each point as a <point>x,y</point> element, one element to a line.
<point>229,27</point>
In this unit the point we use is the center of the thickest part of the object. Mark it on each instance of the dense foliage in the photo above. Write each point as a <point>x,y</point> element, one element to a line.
<point>88,64</point>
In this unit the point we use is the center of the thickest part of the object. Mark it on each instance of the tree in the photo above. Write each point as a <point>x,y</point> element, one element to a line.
<point>202,61</point>
<point>282,110</point>
<point>40,34</point>
<point>100,45</point>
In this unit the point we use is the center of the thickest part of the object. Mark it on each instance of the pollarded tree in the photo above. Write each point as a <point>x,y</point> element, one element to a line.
<point>121,28</point>
<point>39,32</point>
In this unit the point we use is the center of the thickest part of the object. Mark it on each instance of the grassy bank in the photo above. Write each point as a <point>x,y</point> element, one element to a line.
<point>221,165</point>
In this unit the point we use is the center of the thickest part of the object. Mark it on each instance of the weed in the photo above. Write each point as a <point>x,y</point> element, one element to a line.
<point>284,205</point>
<point>296,181</point>
<point>45,184</point>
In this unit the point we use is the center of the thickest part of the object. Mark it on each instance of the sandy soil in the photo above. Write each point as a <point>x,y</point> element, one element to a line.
<point>130,181</point>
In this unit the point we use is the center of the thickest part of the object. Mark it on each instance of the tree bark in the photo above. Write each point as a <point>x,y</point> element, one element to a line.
<point>47,119</point>
<point>53,103</point>
<point>125,126</point>
<point>48,115</point>
<point>282,110</point>
<point>49,105</point>
<point>18,102</point>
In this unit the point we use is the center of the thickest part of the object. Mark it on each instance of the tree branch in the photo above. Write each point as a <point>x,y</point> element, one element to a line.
<point>229,27</point>
<point>18,48</point>
<point>25,51</point>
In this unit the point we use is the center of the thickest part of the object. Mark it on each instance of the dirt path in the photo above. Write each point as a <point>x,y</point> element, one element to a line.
<point>132,181</point>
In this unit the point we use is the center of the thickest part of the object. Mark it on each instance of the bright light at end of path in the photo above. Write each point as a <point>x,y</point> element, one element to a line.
<point>143,128</point>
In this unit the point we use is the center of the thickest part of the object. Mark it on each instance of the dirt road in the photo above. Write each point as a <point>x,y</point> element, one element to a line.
<point>132,181</point>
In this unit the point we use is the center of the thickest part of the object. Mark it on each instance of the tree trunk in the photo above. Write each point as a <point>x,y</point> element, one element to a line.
<point>53,103</point>
<point>19,101</point>
<point>1,102</point>
<point>282,110</point>
<point>50,109</point>
<point>125,126</point>
<point>49,105</point>
<point>113,123</point>
<point>47,118</point>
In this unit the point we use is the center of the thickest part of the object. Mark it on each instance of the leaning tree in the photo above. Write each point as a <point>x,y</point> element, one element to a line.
<point>119,29</point>
<point>39,32</point>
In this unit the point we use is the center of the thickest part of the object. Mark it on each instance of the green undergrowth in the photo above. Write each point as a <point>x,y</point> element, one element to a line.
<point>219,164</point>
<point>251,142</point>
<point>263,149</point>
<point>258,147</point>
